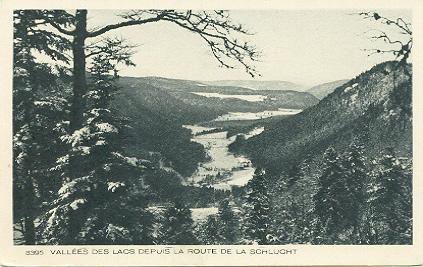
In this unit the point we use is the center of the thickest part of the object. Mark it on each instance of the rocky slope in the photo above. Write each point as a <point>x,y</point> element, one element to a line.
<point>375,108</point>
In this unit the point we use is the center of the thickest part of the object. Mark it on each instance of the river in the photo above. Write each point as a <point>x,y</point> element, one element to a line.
<point>224,170</point>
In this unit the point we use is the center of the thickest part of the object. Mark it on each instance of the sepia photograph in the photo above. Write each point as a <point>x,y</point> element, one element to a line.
<point>252,127</point>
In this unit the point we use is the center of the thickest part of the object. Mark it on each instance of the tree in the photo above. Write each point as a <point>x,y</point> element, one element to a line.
<point>390,202</point>
<point>356,180</point>
<point>281,202</point>
<point>90,173</point>
<point>331,200</point>
<point>38,104</point>
<point>257,210</point>
<point>300,205</point>
<point>105,201</point>
<point>214,27</point>
<point>292,202</point>
<point>209,231</point>
<point>229,223</point>
<point>177,227</point>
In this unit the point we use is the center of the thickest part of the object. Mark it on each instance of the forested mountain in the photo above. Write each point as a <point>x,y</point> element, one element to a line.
<point>322,90</point>
<point>183,90</point>
<point>340,171</point>
<point>259,85</point>
<point>374,107</point>
<point>158,107</point>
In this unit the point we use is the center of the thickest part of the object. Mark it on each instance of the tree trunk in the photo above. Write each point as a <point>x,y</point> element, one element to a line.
<point>78,102</point>
<point>79,77</point>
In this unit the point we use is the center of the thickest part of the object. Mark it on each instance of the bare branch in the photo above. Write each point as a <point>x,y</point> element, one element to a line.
<point>403,51</point>
<point>379,51</point>
<point>124,24</point>
<point>399,23</point>
<point>387,39</point>
<point>220,35</point>
<point>214,27</point>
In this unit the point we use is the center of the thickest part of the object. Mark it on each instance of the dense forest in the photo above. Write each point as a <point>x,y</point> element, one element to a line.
<point>103,159</point>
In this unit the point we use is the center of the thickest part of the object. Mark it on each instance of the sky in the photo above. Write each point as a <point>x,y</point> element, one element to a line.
<point>307,47</point>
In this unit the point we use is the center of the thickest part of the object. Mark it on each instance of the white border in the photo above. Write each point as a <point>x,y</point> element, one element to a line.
<point>306,254</point>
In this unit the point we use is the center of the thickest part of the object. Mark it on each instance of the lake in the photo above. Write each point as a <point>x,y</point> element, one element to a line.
<point>250,98</point>
<point>239,116</point>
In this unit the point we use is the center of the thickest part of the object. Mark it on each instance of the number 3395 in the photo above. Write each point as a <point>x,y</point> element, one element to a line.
<point>34,252</point>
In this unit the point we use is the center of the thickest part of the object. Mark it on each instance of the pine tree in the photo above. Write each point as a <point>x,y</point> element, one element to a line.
<point>331,200</point>
<point>281,202</point>
<point>94,174</point>
<point>209,231</point>
<point>356,179</point>
<point>177,227</point>
<point>228,223</point>
<point>257,210</point>
<point>291,196</point>
<point>104,200</point>
<point>390,208</point>
<point>38,110</point>
<point>301,204</point>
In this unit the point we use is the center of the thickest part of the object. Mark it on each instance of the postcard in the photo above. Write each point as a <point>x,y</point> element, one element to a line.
<point>211,133</point>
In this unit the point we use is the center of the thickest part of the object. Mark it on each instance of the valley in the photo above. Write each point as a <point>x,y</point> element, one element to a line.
<point>216,131</point>
<point>159,107</point>
<point>191,126</point>
<point>223,169</point>
<point>275,148</point>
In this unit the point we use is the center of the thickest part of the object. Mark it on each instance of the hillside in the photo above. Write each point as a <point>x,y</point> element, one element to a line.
<point>322,90</point>
<point>374,107</point>
<point>258,85</point>
<point>158,107</point>
<point>184,91</point>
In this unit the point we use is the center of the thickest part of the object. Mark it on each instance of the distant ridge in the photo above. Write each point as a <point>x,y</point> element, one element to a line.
<point>322,90</point>
<point>183,90</point>
<point>258,85</point>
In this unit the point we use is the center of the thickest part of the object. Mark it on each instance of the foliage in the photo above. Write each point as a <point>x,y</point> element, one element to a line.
<point>39,103</point>
<point>209,232</point>
<point>348,203</point>
<point>257,210</point>
<point>390,202</point>
<point>177,227</point>
<point>103,198</point>
<point>229,223</point>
